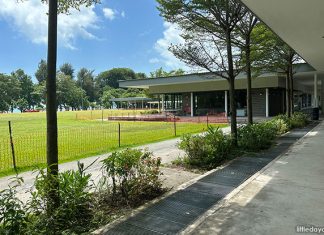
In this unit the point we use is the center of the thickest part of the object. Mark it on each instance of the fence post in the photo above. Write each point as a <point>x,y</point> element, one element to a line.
<point>175,126</point>
<point>119,135</point>
<point>102,114</point>
<point>12,147</point>
<point>207,121</point>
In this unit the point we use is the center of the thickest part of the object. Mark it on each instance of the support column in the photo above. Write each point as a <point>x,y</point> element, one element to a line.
<point>322,95</point>
<point>315,99</point>
<point>159,103</point>
<point>191,104</point>
<point>163,106</point>
<point>267,102</point>
<point>226,103</point>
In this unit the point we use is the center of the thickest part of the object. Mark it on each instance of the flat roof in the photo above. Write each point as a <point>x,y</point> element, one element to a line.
<point>129,99</point>
<point>199,78</point>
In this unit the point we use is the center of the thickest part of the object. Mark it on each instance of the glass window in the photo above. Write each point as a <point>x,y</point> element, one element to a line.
<point>209,102</point>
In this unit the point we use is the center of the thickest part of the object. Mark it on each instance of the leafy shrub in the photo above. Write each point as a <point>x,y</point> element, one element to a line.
<point>257,136</point>
<point>298,120</point>
<point>134,175</point>
<point>206,151</point>
<point>148,112</point>
<point>73,215</point>
<point>13,214</point>
<point>284,119</point>
<point>281,125</point>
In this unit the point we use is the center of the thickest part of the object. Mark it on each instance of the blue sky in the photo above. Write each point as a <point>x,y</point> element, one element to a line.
<point>115,33</point>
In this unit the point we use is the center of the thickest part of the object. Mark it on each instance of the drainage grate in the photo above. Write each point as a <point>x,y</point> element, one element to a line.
<point>208,188</point>
<point>125,229</point>
<point>200,200</point>
<point>174,211</point>
<point>223,180</point>
<point>155,224</point>
<point>257,161</point>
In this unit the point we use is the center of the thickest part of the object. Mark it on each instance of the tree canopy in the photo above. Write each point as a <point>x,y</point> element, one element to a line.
<point>160,72</point>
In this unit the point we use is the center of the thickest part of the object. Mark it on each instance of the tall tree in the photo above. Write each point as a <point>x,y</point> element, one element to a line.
<point>245,28</point>
<point>111,77</point>
<point>67,69</point>
<point>55,7</point>
<point>85,80</point>
<point>26,89</point>
<point>41,72</point>
<point>208,28</point>
<point>69,95</point>
<point>141,76</point>
<point>9,92</point>
<point>276,56</point>
<point>160,72</point>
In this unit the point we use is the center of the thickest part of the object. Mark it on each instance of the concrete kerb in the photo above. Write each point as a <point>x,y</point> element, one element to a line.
<point>146,205</point>
<point>225,201</point>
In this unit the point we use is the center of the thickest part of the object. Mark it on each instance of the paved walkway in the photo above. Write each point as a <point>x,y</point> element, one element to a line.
<point>185,209</point>
<point>290,192</point>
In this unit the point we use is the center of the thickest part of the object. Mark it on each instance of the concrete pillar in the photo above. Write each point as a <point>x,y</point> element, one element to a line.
<point>159,103</point>
<point>226,103</point>
<point>267,102</point>
<point>191,104</point>
<point>315,98</point>
<point>322,95</point>
<point>163,106</point>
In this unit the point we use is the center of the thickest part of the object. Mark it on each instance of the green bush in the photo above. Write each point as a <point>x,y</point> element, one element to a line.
<point>281,125</point>
<point>148,112</point>
<point>134,175</point>
<point>74,213</point>
<point>13,214</point>
<point>284,120</point>
<point>298,120</point>
<point>257,136</point>
<point>206,151</point>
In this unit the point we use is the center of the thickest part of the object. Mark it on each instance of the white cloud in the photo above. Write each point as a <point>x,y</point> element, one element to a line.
<point>171,35</point>
<point>30,19</point>
<point>154,61</point>
<point>109,13</point>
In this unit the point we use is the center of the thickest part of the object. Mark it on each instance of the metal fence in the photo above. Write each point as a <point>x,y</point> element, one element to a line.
<point>29,149</point>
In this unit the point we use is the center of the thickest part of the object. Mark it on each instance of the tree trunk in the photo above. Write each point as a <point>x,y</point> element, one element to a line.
<point>288,106</point>
<point>249,82</point>
<point>231,81</point>
<point>51,109</point>
<point>291,80</point>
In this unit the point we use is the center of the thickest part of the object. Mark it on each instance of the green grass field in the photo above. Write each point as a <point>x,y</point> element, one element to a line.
<point>81,134</point>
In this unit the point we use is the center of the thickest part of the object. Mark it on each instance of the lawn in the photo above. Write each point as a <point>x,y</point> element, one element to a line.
<point>81,134</point>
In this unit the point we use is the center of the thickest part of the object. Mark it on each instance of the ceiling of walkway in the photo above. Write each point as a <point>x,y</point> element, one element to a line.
<point>300,23</point>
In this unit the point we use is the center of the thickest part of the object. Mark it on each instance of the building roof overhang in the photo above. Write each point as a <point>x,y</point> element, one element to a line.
<point>199,78</point>
<point>298,22</point>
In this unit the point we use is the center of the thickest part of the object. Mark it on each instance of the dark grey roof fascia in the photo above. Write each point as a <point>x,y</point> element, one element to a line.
<point>200,77</point>
<point>130,99</point>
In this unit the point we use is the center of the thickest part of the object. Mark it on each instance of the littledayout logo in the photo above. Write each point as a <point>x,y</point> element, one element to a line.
<point>309,229</point>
